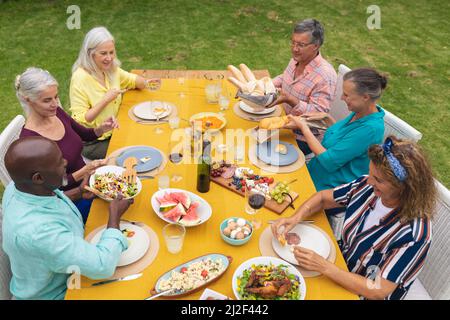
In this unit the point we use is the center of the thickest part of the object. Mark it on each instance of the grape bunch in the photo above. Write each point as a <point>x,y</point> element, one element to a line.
<point>215,173</point>
<point>279,192</point>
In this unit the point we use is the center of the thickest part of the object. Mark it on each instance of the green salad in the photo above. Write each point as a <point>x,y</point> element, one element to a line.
<point>262,282</point>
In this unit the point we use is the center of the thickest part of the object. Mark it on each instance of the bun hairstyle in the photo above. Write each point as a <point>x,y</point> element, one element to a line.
<point>367,81</point>
<point>30,84</point>
<point>418,191</point>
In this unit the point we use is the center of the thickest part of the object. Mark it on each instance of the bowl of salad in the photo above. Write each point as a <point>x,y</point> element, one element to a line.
<point>108,181</point>
<point>268,278</point>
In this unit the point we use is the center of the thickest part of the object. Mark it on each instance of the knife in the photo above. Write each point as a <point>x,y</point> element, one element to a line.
<point>130,277</point>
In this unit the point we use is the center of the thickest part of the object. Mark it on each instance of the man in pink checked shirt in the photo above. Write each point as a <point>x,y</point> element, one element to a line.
<point>309,82</point>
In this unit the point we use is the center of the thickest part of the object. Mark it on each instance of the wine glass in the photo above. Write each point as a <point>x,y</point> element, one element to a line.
<point>158,111</point>
<point>254,200</point>
<point>176,149</point>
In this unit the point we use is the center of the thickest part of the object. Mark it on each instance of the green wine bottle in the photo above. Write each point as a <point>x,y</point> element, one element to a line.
<point>204,167</point>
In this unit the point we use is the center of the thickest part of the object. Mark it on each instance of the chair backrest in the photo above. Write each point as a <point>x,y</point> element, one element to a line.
<point>8,136</point>
<point>338,109</point>
<point>393,125</point>
<point>5,269</point>
<point>435,275</point>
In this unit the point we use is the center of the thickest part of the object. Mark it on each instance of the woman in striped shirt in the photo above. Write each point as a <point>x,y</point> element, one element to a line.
<point>387,227</point>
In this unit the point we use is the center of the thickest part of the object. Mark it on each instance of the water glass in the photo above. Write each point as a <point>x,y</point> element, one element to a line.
<point>224,102</point>
<point>163,182</point>
<point>174,122</point>
<point>212,92</point>
<point>173,234</point>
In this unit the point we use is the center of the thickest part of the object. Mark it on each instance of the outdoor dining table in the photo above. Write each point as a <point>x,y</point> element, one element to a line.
<point>185,90</point>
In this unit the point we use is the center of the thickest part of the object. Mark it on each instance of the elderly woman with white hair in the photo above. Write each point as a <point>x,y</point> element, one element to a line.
<point>37,91</point>
<point>97,85</point>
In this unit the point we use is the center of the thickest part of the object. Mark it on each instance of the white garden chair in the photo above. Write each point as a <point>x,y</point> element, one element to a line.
<point>393,125</point>
<point>434,279</point>
<point>8,136</point>
<point>338,109</point>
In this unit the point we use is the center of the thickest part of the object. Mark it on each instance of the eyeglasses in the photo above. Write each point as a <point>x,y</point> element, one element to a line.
<point>299,44</point>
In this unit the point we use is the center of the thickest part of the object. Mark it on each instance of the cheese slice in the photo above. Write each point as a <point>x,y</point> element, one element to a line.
<point>145,159</point>
<point>281,148</point>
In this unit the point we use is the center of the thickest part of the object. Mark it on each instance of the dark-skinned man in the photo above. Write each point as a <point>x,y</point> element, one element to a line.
<point>43,230</point>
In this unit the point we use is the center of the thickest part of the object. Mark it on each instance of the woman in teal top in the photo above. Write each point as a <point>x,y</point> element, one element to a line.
<point>342,155</point>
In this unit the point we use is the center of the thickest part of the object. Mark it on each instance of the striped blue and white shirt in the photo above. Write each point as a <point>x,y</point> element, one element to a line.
<point>394,250</point>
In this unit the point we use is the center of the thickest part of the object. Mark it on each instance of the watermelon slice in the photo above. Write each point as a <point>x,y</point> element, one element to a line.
<point>191,217</point>
<point>182,198</point>
<point>175,213</point>
<point>167,205</point>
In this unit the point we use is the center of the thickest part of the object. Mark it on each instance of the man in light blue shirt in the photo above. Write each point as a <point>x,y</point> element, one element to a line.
<point>43,230</point>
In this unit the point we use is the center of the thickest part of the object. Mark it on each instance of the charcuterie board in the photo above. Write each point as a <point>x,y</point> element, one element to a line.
<point>269,204</point>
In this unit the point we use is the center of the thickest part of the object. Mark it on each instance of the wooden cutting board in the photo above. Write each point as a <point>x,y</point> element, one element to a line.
<point>269,204</point>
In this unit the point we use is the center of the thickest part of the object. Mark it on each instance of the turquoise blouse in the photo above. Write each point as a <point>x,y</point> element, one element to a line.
<point>346,156</point>
<point>43,237</point>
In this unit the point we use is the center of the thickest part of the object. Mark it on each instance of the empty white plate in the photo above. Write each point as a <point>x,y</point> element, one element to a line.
<point>310,238</point>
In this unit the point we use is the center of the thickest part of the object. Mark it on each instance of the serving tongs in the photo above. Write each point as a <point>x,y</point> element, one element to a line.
<point>129,175</point>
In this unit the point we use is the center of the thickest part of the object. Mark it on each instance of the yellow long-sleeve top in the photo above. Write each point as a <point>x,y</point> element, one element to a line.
<point>86,92</point>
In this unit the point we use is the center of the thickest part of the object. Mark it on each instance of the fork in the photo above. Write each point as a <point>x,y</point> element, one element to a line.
<point>130,173</point>
<point>132,222</point>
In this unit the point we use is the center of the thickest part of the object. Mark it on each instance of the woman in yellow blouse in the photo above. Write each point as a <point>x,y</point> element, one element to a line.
<point>97,85</point>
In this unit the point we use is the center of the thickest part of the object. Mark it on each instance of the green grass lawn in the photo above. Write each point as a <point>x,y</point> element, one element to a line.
<point>412,46</point>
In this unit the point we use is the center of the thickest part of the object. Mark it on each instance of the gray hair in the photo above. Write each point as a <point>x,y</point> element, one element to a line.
<point>92,40</point>
<point>30,84</point>
<point>314,28</point>
<point>367,81</point>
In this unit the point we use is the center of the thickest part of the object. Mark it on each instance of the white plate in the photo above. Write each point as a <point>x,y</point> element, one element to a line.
<point>267,260</point>
<point>204,210</point>
<point>208,293</point>
<point>138,244</point>
<point>144,110</point>
<point>310,238</point>
<point>116,170</point>
<point>245,107</point>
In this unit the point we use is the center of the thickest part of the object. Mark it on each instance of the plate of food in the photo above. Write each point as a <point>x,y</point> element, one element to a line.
<point>305,236</point>
<point>192,275</point>
<point>148,158</point>
<point>149,109</point>
<point>180,206</point>
<point>108,181</point>
<point>277,153</point>
<point>268,278</point>
<point>245,107</point>
<point>138,243</point>
<point>209,121</point>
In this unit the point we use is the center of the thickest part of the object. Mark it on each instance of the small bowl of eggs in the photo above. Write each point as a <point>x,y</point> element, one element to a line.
<point>236,231</point>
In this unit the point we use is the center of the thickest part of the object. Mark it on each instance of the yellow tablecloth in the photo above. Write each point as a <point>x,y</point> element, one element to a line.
<point>189,97</point>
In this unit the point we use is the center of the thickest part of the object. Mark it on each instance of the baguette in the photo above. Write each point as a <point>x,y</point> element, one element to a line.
<point>236,73</point>
<point>238,84</point>
<point>273,122</point>
<point>248,74</point>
